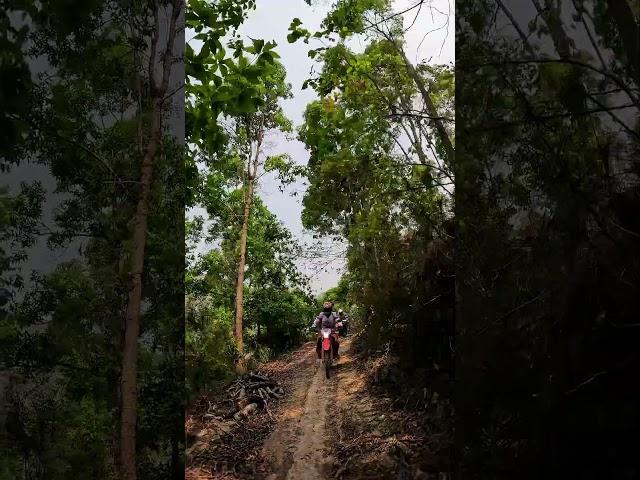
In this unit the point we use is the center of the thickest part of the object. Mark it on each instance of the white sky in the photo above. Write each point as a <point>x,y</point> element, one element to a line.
<point>430,38</point>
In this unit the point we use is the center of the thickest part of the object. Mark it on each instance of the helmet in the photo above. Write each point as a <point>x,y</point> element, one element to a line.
<point>340,311</point>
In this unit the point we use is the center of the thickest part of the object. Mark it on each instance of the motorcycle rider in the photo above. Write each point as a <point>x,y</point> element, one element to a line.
<point>344,318</point>
<point>326,319</point>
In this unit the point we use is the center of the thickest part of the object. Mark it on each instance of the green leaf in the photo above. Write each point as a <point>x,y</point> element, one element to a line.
<point>267,57</point>
<point>270,45</point>
<point>257,45</point>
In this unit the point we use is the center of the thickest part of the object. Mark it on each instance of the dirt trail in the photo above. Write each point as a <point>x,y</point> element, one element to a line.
<point>298,446</point>
<point>341,428</point>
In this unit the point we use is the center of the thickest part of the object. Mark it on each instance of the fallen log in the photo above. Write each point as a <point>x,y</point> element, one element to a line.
<point>258,377</point>
<point>269,383</point>
<point>246,411</point>
<point>273,393</point>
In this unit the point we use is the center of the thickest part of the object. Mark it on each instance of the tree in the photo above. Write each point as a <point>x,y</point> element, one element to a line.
<point>209,96</point>
<point>250,132</point>
<point>158,92</point>
<point>276,305</point>
<point>386,163</point>
<point>539,192</point>
<point>233,104</point>
<point>86,125</point>
<point>375,18</point>
<point>242,97</point>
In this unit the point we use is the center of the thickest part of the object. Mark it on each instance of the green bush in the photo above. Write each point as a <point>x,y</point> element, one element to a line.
<point>210,350</point>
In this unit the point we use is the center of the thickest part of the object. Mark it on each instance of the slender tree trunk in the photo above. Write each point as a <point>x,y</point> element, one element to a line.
<point>552,17</point>
<point>132,326</point>
<point>128,414</point>
<point>431,108</point>
<point>252,175</point>
<point>244,233</point>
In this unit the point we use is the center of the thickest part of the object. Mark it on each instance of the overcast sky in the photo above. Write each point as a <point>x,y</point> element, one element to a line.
<point>270,21</point>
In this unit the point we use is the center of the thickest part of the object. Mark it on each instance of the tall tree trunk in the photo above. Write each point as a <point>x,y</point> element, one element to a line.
<point>132,326</point>
<point>432,111</point>
<point>552,17</point>
<point>252,176</point>
<point>128,412</point>
<point>431,108</point>
<point>244,233</point>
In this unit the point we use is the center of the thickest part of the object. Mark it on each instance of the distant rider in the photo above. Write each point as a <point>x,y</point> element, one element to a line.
<point>326,319</point>
<point>344,318</point>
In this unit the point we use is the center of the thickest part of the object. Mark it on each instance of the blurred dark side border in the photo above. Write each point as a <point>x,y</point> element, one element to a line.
<point>547,199</point>
<point>92,227</point>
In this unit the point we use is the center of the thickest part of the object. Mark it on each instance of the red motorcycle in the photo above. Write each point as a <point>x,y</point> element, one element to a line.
<point>326,351</point>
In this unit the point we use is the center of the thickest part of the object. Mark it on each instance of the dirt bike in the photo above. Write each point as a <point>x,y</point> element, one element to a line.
<point>343,328</point>
<point>327,351</point>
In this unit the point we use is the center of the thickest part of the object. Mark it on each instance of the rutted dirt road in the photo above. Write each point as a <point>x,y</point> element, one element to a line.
<point>298,446</point>
<point>293,441</point>
<point>327,428</point>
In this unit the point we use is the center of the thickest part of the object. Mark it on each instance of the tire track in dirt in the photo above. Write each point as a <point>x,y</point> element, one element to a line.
<point>297,447</point>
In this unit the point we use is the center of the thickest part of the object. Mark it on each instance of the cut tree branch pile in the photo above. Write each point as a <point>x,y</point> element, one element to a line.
<point>235,414</point>
<point>252,392</point>
<point>247,395</point>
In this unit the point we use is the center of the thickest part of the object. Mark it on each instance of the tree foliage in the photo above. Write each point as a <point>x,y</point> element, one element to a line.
<point>545,190</point>
<point>62,333</point>
<point>234,104</point>
<point>378,171</point>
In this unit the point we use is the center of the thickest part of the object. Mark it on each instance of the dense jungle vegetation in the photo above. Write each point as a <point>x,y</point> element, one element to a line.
<point>381,141</point>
